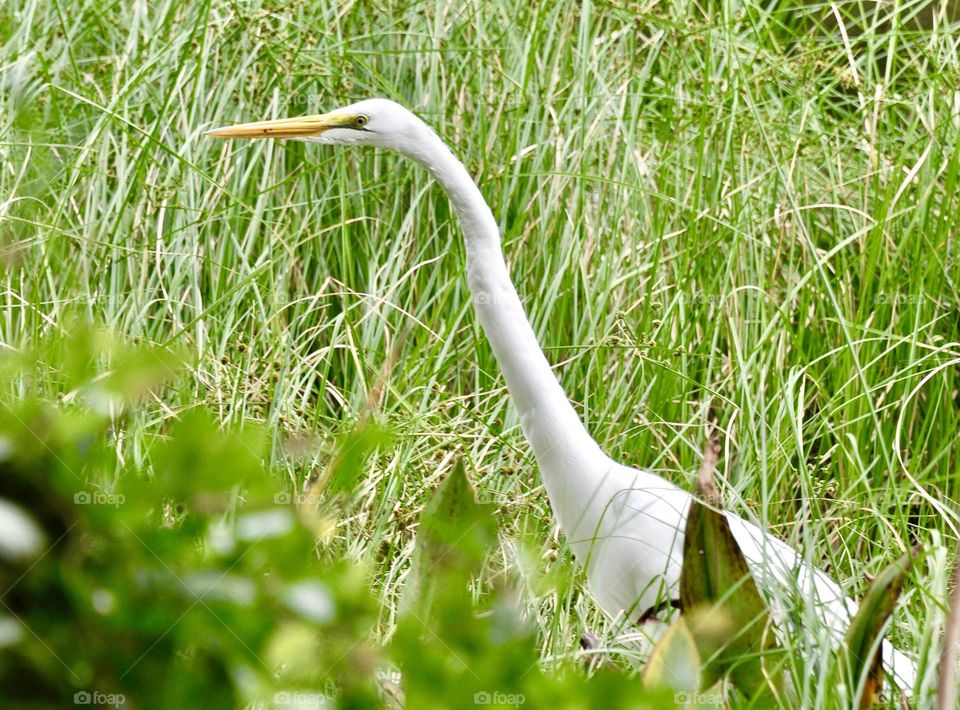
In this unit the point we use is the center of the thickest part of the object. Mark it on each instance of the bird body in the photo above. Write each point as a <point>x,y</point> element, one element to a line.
<point>625,526</point>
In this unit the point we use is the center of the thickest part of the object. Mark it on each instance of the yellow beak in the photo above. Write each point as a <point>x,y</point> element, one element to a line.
<point>285,127</point>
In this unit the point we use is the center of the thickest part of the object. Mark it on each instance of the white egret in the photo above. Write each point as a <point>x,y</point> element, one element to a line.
<point>625,526</point>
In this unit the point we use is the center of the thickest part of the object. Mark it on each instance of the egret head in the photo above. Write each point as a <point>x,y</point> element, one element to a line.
<point>377,122</point>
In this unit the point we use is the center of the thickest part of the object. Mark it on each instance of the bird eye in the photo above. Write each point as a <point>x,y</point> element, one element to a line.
<point>360,121</point>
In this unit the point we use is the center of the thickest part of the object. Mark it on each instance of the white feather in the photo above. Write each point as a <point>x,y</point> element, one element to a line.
<point>625,526</point>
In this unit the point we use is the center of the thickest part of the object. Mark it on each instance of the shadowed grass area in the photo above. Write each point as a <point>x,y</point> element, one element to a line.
<point>734,211</point>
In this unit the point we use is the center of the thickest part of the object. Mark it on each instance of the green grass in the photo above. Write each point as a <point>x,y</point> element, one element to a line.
<point>723,210</point>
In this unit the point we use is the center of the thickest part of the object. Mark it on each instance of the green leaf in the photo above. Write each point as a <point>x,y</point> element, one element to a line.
<point>724,610</point>
<point>863,642</point>
<point>675,662</point>
<point>454,536</point>
<point>456,532</point>
<point>201,462</point>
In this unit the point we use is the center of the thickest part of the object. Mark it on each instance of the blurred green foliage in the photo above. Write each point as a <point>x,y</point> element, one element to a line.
<point>189,577</point>
<point>166,583</point>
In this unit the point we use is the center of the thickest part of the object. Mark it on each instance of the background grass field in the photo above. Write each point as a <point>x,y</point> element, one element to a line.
<point>737,211</point>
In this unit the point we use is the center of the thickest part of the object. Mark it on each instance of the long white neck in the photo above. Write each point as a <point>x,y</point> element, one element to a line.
<point>569,458</point>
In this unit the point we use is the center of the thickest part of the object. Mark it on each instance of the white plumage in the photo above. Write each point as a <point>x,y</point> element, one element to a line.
<point>624,525</point>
